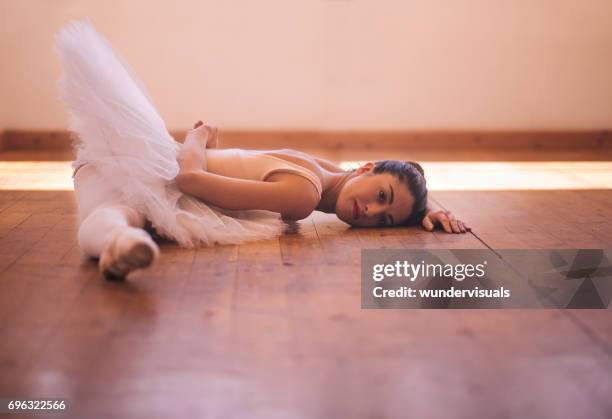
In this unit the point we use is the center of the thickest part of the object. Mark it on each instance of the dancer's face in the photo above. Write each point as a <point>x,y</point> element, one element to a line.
<point>374,200</point>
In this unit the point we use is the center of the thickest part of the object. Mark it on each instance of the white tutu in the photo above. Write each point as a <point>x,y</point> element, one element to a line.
<point>121,133</point>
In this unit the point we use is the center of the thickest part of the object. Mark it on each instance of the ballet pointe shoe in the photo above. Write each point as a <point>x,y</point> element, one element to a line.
<point>129,249</point>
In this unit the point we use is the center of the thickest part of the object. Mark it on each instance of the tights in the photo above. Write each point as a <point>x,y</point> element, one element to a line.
<point>108,229</point>
<point>103,225</point>
<point>112,231</point>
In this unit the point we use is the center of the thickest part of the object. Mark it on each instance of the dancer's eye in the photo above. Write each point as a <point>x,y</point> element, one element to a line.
<point>381,196</point>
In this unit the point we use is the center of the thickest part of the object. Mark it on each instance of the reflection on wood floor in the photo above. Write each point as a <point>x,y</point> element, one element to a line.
<point>486,171</point>
<point>275,329</point>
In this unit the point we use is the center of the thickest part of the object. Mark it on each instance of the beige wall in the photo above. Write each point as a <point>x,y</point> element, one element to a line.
<point>335,64</point>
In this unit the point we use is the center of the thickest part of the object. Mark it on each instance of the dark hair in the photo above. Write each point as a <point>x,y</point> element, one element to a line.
<point>414,175</point>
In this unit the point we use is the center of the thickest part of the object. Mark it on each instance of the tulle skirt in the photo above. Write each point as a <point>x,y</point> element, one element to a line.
<point>120,132</point>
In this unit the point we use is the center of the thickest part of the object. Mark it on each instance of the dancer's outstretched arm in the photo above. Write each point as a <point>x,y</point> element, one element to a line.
<point>292,196</point>
<point>448,221</point>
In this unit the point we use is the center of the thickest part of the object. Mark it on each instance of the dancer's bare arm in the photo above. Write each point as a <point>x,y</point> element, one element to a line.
<point>290,195</point>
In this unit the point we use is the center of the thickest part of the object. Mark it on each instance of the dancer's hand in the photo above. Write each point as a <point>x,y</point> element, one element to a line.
<point>446,219</point>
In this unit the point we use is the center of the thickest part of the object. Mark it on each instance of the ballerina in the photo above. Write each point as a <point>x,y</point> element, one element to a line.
<point>132,177</point>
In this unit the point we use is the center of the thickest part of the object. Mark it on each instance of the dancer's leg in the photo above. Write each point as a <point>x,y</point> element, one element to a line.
<point>109,230</point>
<point>115,235</point>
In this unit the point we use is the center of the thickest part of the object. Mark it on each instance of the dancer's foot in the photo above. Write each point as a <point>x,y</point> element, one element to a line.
<point>130,249</point>
<point>207,134</point>
<point>192,153</point>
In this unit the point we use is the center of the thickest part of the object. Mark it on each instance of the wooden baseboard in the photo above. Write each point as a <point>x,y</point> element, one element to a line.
<point>488,140</point>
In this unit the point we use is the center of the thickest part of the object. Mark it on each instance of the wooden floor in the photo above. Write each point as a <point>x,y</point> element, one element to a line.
<point>275,330</point>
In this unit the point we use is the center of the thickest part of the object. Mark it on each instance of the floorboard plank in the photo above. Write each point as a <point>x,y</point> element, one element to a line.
<point>276,329</point>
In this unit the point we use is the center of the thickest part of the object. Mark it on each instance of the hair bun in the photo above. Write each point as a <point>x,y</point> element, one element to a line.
<point>417,166</point>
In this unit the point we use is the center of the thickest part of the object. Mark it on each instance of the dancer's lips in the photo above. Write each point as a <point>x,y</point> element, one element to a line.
<point>356,210</point>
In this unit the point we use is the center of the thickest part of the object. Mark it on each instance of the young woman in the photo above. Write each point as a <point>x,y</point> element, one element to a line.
<point>130,175</point>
